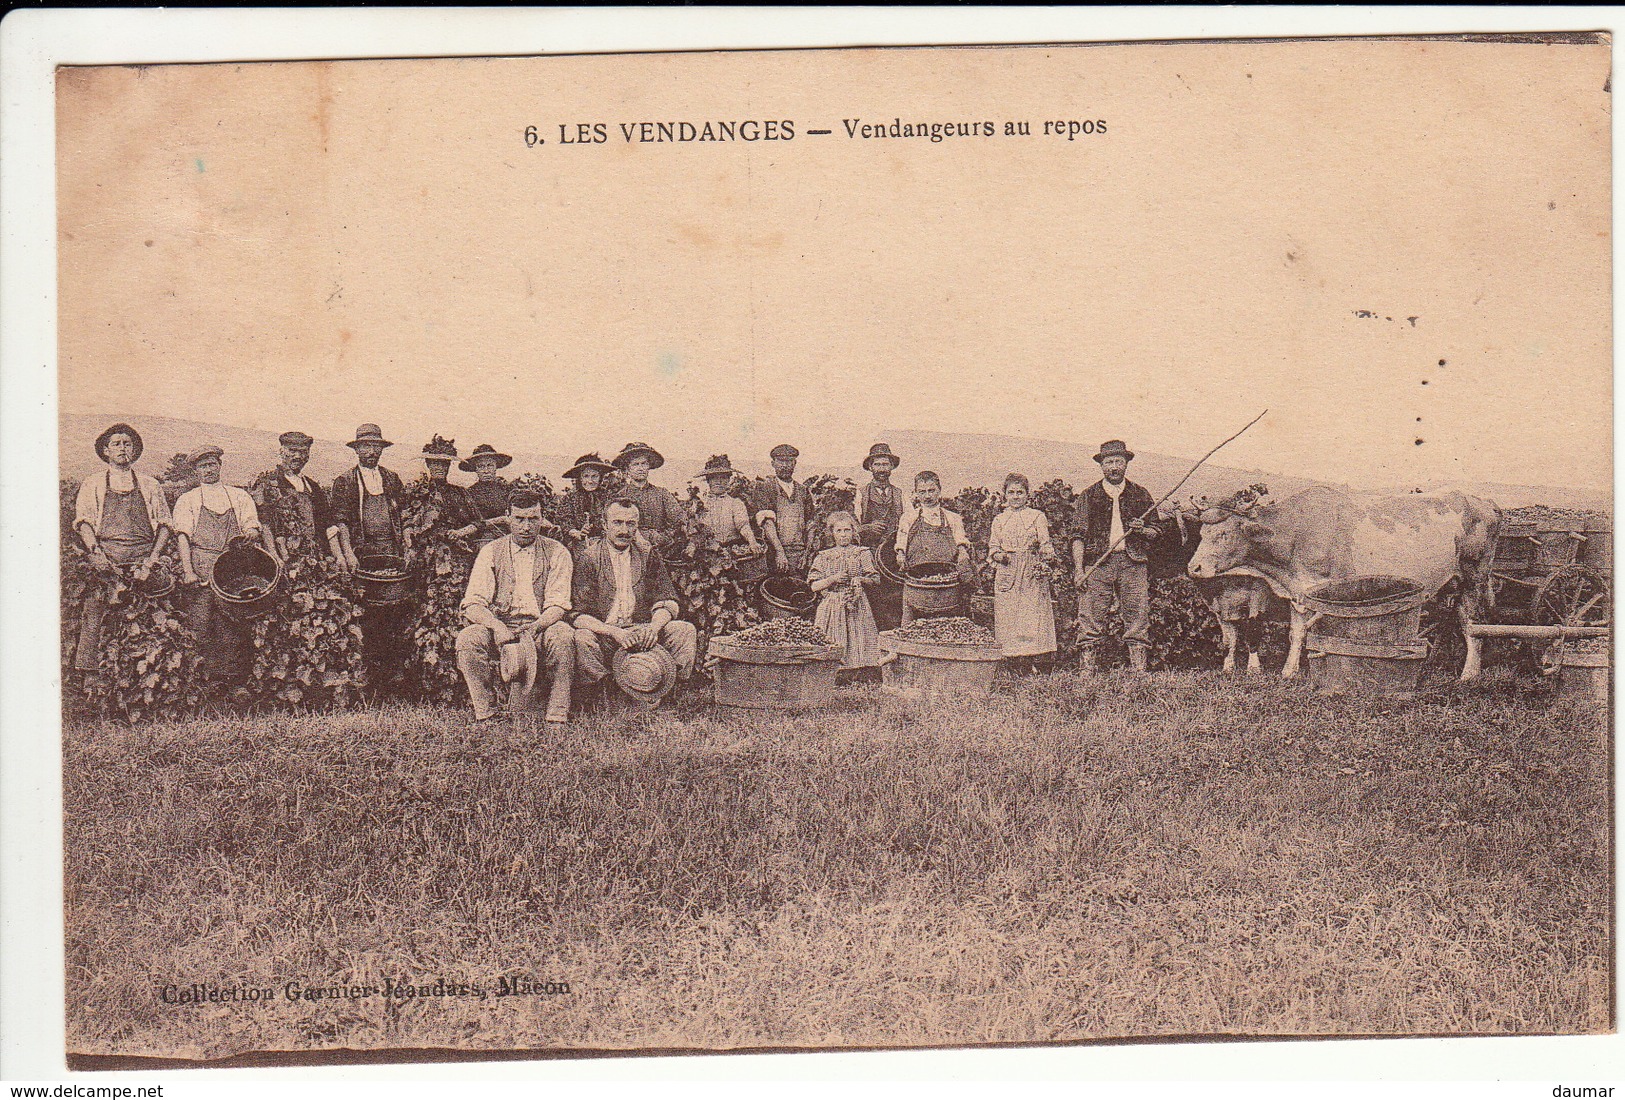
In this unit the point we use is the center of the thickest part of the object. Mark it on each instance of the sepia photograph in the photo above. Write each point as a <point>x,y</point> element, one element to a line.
<point>835,549</point>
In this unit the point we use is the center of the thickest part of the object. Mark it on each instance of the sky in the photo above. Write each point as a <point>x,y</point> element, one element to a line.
<point>1400,248</point>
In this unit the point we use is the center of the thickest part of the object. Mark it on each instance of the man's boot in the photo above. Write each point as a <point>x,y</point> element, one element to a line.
<point>1088,663</point>
<point>1137,658</point>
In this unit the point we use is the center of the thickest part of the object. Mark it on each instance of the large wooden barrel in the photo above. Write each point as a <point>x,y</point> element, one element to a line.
<point>938,670</point>
<point>1366,635</point>
<point>774,677</point>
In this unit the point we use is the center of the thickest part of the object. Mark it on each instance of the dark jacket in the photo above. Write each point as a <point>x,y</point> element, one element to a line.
<point>271,492</point>
<point>345,499</point>
<point>592,584</point>
<point>1092,521</point>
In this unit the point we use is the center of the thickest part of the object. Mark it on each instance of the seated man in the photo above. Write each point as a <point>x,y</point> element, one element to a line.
<point>624,599</point>
<point>519,591</point>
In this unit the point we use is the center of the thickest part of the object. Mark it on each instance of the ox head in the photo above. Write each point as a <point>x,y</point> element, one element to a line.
<point>1230,535</point>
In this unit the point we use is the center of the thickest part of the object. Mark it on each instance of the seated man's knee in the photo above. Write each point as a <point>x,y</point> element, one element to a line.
<point>473,638</point>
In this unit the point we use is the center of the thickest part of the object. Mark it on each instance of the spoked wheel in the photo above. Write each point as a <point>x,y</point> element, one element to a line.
<point>1575,595</point>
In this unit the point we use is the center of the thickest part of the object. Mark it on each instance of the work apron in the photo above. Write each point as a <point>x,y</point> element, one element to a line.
<point>929,545</point>
<point>125,535</point>
<point>219,641</point>
<point>790,515</point>
<point>377,524</point>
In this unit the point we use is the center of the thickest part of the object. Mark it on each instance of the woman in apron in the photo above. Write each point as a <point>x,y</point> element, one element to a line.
<point>1020,548</point>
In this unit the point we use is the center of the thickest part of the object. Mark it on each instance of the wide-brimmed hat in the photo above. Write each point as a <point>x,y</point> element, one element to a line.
<point>784,450</point>
<point>295,439</point>
<point>440,450</point>
<point>586,462</point>
<point>369,433</point>
<point>716,466</point>
<point>484,450</point>
<point>207,451</point>
<point>1114,448</point>
<point>632,450</point>
<point>119,429</point>
<point>647,675</point>
<point>881,450</point>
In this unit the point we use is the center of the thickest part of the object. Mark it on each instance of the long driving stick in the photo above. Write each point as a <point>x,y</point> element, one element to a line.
<point>1091,570</point>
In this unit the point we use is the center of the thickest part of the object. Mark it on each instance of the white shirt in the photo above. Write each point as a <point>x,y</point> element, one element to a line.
<point>219,499</point>
<point>1116,493</point>
<point>300,485</point>
<point>482,578</point>
<point>371,480</point>
<point>625,599</point>
<point>788,488</point>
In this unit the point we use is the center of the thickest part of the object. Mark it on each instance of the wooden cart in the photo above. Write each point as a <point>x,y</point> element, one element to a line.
<point>1552,567</point>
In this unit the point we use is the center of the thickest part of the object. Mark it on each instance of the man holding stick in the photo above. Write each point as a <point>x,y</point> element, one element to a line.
<point>1110,530</point>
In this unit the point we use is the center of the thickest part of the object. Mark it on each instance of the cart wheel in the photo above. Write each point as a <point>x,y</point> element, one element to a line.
<point>1575,595</point>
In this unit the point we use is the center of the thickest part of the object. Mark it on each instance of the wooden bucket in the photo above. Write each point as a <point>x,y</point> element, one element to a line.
<point>928,592</point>
<point>1366,635</point>
<point>785,597</point>
<point>1584,676</point>
<point>748,568</point>
<point>774,677</point>
<point>247,582</point>
<point>938,670</point>
<point>383,578</point>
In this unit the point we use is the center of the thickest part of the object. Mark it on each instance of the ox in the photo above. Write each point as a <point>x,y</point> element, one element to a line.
<point>1323,534</point>
<point>1241,603</point>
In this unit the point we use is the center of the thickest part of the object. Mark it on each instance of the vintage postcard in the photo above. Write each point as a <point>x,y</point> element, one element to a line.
<point>836,548</point>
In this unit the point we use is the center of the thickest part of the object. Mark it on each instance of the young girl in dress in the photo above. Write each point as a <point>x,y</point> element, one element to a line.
<point>1020,548</point>
<point>840,574</point>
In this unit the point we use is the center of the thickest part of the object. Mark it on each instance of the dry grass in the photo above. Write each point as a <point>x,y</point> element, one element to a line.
<point>1187,854</point>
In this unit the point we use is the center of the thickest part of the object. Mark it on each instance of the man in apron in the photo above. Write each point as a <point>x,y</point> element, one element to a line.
<point>122,519</point>
<point>366,502</point>
<point>784,512</point>
<point>929,534</point>
<point>207,519</point>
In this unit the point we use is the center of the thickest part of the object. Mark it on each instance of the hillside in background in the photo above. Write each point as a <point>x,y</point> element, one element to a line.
<point>963,460</point>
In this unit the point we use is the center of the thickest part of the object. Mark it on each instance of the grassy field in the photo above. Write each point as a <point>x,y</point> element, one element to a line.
<point>1174,854</point>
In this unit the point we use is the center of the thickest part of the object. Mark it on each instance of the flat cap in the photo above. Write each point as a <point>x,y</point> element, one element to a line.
<point>784,450</point>
<point>294,439</point>
<point>209,451</point>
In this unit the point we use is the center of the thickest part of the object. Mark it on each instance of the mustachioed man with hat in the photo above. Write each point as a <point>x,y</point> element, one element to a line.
<point>366,501</point>
<point>784,512</point>
<point>580,514</point>
<point>659,514</point>
<point>208,519</point>
<point>122,519</point>
<point>1108,517</point>
<point>293,507</point>
<point>879,505</point>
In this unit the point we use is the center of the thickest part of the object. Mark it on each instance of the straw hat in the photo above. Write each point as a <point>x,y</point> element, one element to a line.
<point>484,450</point>
<point>647,675</point>
<point>587,462</point>
<point>632,450</point>
<point>508,661</point>
<point>716,466</point>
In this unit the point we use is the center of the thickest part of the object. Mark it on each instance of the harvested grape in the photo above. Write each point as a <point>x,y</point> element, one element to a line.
<point>956,630</point>
<point>781,632</point>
